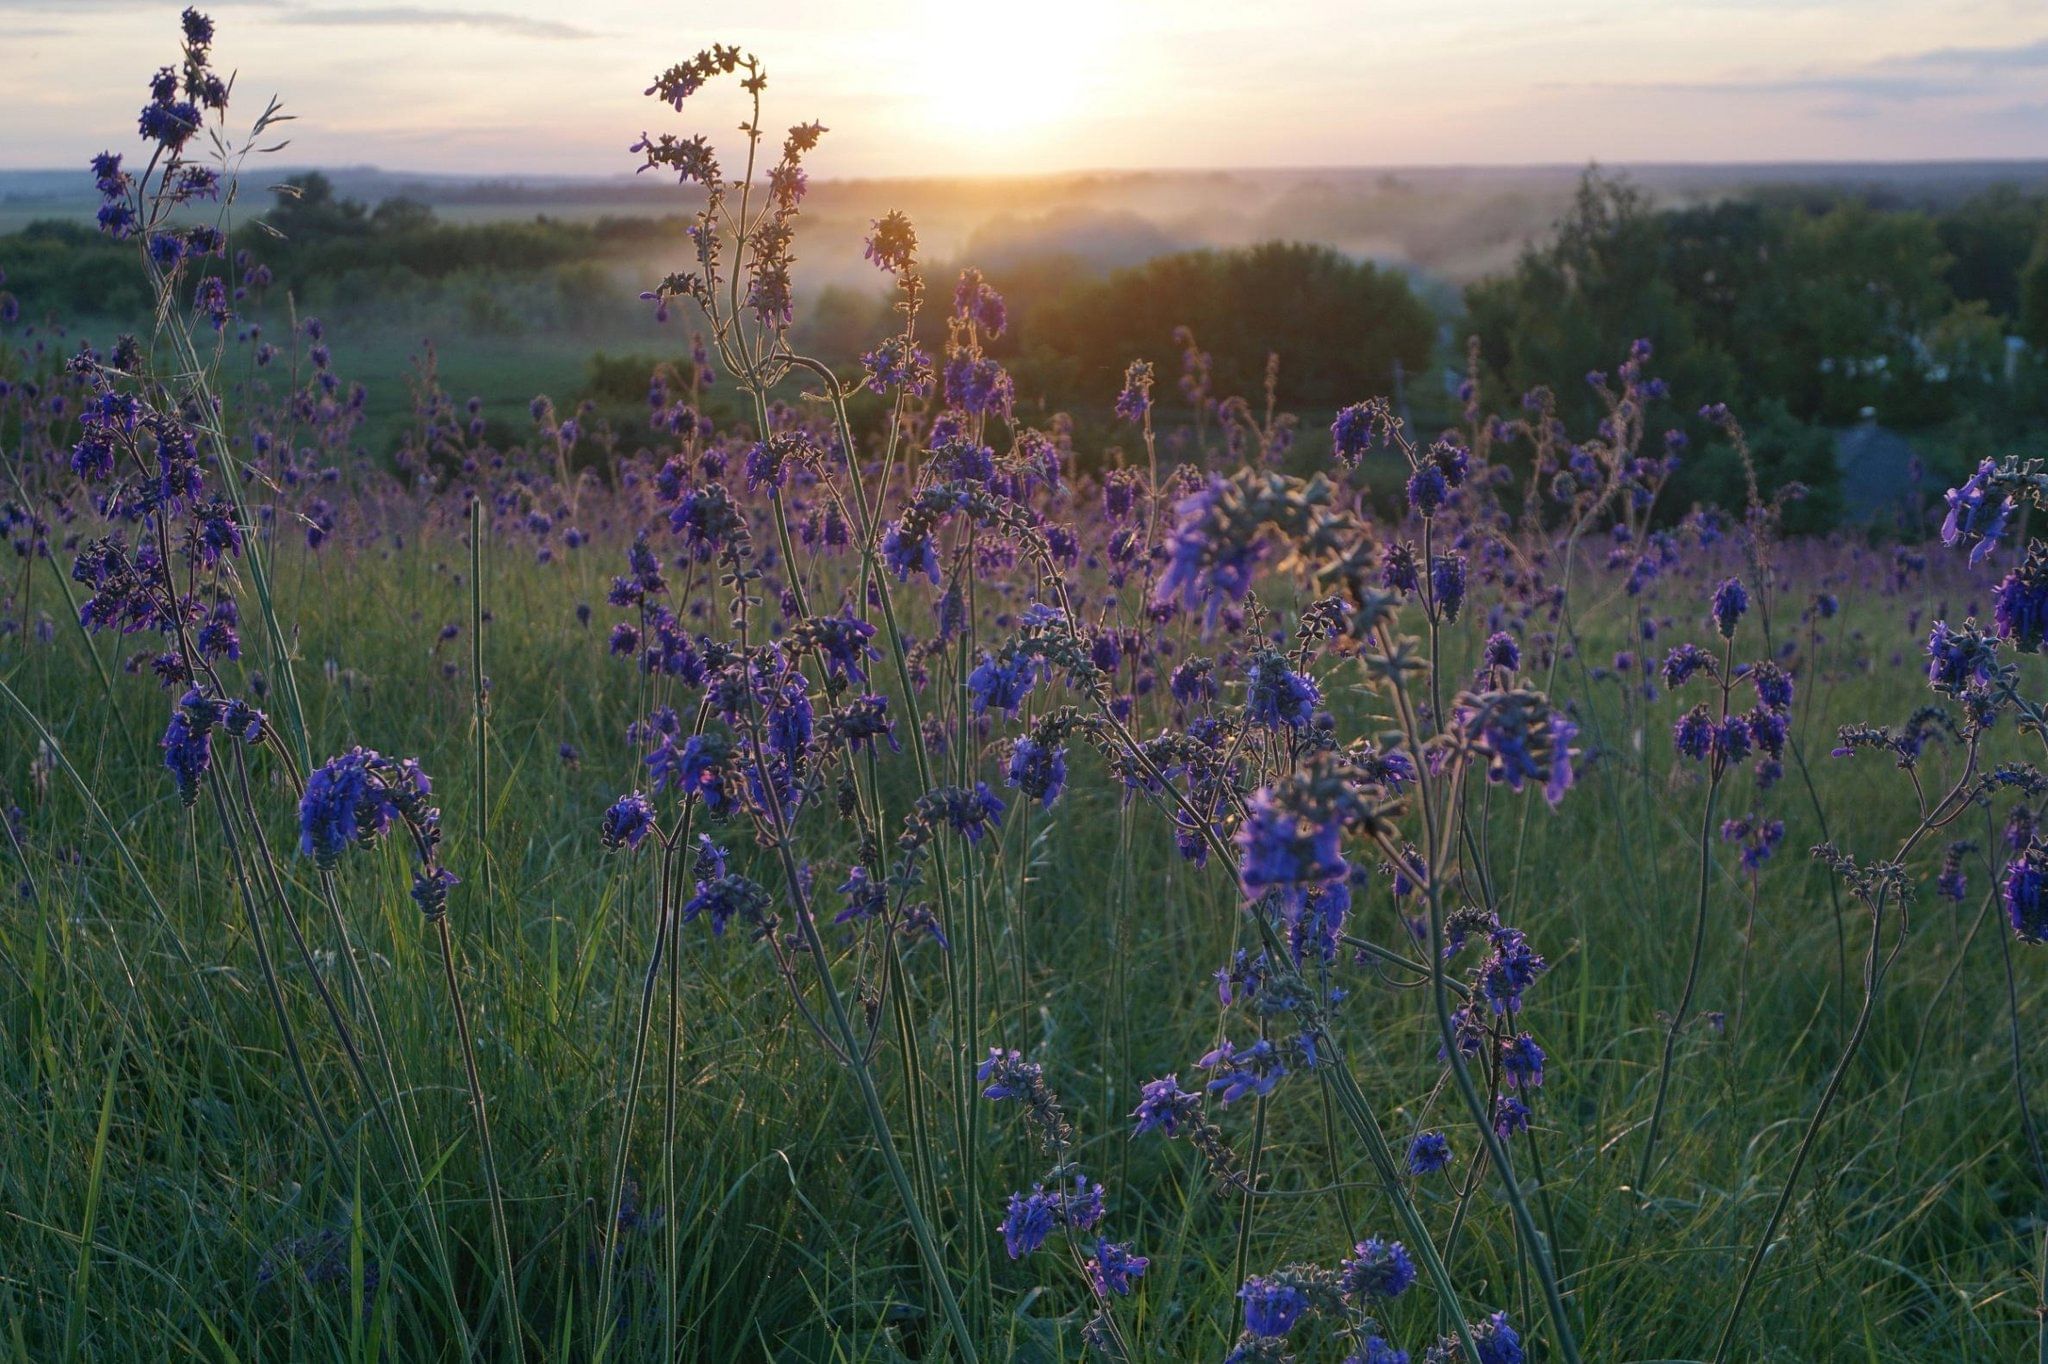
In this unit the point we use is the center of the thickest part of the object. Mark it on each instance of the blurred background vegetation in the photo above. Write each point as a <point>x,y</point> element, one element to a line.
<point>1876,335</point>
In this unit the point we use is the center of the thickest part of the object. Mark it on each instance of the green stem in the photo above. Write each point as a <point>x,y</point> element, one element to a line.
<point>1692,977</point>
<point>500,1234</point>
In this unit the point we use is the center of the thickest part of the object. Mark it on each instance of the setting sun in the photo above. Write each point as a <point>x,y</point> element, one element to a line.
<point>1009,81</point>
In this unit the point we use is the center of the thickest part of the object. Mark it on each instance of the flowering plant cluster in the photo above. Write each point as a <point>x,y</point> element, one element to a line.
<point>894,631</point>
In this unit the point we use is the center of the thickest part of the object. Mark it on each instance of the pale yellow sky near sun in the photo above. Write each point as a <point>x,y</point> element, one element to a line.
<point>921,87</point>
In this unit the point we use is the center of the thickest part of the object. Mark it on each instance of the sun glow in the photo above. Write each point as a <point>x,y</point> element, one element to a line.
<point>1016,79</point>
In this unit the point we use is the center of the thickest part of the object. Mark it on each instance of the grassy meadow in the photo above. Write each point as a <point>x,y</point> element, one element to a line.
<point>577,794</point>
<point>156,1155</point>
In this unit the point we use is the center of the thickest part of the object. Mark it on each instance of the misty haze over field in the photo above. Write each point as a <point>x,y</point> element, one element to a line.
<point>1451,224</point>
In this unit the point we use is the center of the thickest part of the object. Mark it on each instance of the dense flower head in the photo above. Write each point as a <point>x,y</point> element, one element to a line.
<point>2020,602</point>
<point>1508,970</point>
<point>1450,456</point>
<point>1278,697</point>
<point>1399,570</point>
<point>1134,401</point>
<point>1081,1203</point>
<point>1377,1271</point>
<point>843,641</point>
<point>1272,1306</point>
<point>1521,1061</point>
<point>1958,659</point>
<point>2025,893</point>
<point>1285,841</point>
<point>108,176</point>
<point>968,812</point>
<point>188,743</point>
<point>1694,733</point>
<point>1113,1269</point>
<point>1358,427</point>
<point>1521,737</point>
<point>1315,919</point>
<point>908,547</point>
<point>1028,1221</point>
<point>1977,512</point>
<point>978,385</point>
<point>866,897</point>
<point>1002,682</point>
<point>700,766</point>
<point>1377,1350</point>
<point>627,821</point>
<point>1006,1077</point>
<point>722,895</point>
<point>1684,662</point>
<point>169,122</point>
<point>1037,769</point>
<point>1428,1153</point>
<point>349,798</point>
<point>1773,686</point>
<point>1164,1106</point>
<point>1388,767</point>
<point>892,245</point>
<point>685,78</point>
<point>1497,1341</point>
<point>1447,584</point>
<point>898,364</point>
<point>1274,1303</point>
<point>1427,490</point>
<point>1732,739</point>
<point>1210,558</point>
<point>1731,601</point>
<point>708,522</point>
<point>864,720</point>
<point>976,301</point>
<point>430,885</point>
<point>243,721</point>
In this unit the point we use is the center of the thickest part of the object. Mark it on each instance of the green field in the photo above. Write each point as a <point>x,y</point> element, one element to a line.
<point>154,1151</point>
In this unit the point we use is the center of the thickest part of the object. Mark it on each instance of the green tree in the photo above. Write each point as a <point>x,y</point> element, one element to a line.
<point>1846,318</point>
<point>1614,272</point>
<point>402,213</point>
<point>1989,240</point>
<point>2033,310</point>
<point>1338,325</point>
<point>308,210</point>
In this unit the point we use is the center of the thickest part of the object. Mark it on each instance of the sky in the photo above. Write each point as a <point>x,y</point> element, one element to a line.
<point>959,87</point>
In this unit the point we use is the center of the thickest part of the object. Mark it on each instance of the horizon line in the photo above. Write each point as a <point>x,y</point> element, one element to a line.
<point>1080,172</point>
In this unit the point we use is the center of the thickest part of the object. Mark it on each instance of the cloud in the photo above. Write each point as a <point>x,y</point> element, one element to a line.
<point>2023,57</point>
<point>1865,85</point>
<point>71,7</point>
<point>1863,88</point>
<point>347,16</point>
<point>414,16</point>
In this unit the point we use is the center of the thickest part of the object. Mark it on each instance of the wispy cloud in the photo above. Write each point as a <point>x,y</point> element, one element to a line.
<point>414,16</point>
<point>1868,85</point>
<point>1905,78</point>
<point>2021,57</point>
<point>341,16</point>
